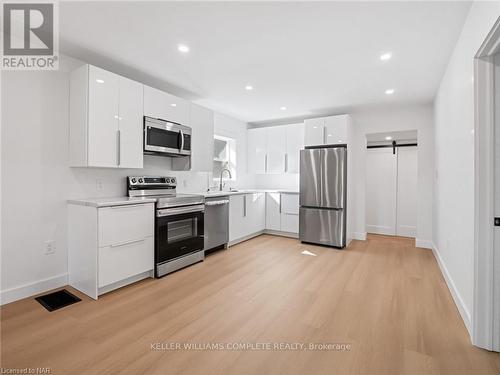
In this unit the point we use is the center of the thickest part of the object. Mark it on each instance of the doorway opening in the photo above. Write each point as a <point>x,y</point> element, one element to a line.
<point>391,183</point>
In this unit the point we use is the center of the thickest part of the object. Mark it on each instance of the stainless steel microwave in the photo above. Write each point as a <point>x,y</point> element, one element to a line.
<point>166,138</point>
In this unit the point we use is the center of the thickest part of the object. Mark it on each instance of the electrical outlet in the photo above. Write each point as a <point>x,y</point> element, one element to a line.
<point>98,184</point>
<point>50,247</point>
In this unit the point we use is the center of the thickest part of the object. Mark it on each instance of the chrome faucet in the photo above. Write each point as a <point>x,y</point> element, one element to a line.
<point>221,172</point>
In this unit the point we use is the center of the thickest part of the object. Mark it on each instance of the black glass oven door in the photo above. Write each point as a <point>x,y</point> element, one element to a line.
<point>178,235</point>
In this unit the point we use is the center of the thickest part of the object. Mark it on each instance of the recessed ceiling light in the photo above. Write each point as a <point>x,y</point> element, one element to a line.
<point>389,91</point>
<point>388,138</point>
<point>173,105</point>
<point>99,80</point>
<point>283,108</point>
<point>183,48</point>
<point>386,56</point>
<point>248,87</point>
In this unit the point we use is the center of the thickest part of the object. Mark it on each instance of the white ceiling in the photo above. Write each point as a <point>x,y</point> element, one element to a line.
<point>313,58</point>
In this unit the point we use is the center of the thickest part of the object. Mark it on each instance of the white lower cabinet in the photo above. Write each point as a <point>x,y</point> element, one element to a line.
<point>273,214</point>
<point>109,247</point>
<point>247,215</point>
<point>282,212</point>
<point>123,260</point>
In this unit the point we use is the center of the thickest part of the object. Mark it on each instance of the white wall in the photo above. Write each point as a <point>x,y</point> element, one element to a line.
<point>454,159</point>
<point>36,180</point>
<point>389,119</point>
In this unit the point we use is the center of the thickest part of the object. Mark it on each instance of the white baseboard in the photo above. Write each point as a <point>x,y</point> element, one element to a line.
<point>426,244</point>
<point>281,233</point>
<point>28,290</point>
<point>244,238</point>
<point>459,302</point>
<point>361,236</point>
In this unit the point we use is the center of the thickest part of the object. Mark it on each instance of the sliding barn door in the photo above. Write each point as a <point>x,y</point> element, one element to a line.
<point>381,190</point>
<point>406,216</point>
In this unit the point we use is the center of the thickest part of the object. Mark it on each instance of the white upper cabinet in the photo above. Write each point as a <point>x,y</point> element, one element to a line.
<point>105,119</point>
<point>294,143</point>
<point>159,104</point>
<point>336,129</point>
<point>326,130</point>
<point>130,124</point>
<point>276,149</point>
<point>103,116</point>
<point>257,150</point>
<point>202,141</point>
<point>314,133</point>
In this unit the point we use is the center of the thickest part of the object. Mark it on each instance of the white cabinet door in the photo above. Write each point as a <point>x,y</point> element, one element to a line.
<point>314,132</point>
<point>236,217</point>
<point>202,140</point>
<point>257,148</point>
<point>273,216</point>
<point>290,203</point>
<point>122,224</point>
<point>122,261</point>
<point>103,112</point>
<point>131,113</point>
<point>255,212</point>
<point>407,192</point>
<point>290,213</point>
<point>177,109</point>
<point>159,104</point>
<point>155,103</point>
<point>289,223</point>
<point>276,149</point>
<point>336,129</point>
<point>381,182</point>
<point>294,143</point>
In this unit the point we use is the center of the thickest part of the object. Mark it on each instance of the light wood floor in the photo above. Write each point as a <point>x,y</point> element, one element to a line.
<point>384,297</point>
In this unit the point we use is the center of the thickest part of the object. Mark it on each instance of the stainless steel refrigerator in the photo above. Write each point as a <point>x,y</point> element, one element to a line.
<point>323,193</point>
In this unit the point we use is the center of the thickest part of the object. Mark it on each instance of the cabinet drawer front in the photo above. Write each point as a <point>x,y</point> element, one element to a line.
<point>290,204</point>
<point>119,262</point>
<point>125,223</point>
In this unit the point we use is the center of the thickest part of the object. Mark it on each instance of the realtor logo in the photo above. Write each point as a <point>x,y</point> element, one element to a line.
<point>29,36</point>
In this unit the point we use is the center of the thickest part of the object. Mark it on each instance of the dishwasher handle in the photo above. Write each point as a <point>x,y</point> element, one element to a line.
<point>217,203</point>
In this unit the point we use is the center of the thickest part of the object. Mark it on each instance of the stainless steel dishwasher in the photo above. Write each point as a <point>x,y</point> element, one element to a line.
<point>216,222</point>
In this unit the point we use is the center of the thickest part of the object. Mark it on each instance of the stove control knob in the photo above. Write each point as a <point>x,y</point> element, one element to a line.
<point>140,180</point>
<point>167,180</point>
<point>172,180</point>
<point>134,180</point>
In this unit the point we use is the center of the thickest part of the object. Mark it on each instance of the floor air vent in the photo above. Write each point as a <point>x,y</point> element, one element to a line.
<point>57,300</point>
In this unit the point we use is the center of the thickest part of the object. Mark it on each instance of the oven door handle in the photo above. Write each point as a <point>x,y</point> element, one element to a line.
<point>180,210</point>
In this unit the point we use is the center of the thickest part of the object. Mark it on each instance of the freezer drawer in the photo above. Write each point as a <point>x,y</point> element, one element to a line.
<point>322,226</point>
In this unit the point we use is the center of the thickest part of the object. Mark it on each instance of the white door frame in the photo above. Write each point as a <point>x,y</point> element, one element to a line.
<point>486,310</point>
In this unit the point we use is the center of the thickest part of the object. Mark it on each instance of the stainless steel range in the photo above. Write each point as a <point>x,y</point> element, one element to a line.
<point>179,222</point>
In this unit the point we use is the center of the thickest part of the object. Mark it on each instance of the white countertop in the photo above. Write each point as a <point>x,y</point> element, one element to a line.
<point>112,201</point>
<point>122,201</point>
<point>217,193</point>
